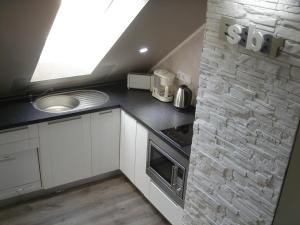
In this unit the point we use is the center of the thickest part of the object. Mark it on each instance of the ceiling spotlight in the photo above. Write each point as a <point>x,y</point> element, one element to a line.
<point>143,50</point>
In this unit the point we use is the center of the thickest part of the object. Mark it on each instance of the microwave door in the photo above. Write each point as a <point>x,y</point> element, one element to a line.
<point>161,164</point>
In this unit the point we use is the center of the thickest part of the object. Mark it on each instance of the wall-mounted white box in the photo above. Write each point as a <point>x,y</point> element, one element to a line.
<point>140,81</point>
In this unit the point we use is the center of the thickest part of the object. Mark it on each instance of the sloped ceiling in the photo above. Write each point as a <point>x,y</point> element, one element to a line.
<point>24,26</point>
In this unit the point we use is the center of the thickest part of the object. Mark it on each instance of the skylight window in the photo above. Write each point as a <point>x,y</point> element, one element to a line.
<point>81,35</point>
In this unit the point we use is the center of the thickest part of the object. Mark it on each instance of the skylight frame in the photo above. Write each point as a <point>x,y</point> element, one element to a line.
<point>74,47</point>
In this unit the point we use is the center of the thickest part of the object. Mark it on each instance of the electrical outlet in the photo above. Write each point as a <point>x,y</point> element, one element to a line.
<point>186,78</point>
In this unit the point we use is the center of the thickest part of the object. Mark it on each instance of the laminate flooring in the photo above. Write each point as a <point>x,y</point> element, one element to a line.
<point>113,201</point>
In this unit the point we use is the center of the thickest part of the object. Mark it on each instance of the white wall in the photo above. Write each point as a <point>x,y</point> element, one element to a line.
<point>185,58</point>
<point>247,113</point>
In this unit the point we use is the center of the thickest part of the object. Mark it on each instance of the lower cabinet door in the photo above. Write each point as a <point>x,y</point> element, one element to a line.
<point>105,133</point>
<point>165,205</point>
<point>65,150</point>
<point>16,170</point>
<point>142,180</point>
<point>127,145</point>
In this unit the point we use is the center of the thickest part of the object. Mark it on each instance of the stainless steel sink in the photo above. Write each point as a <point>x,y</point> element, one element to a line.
<point>56,103</point>
<point>70,101</point>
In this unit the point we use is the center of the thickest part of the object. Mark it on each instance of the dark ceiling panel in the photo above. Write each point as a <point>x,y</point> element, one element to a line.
<point>24,26</point>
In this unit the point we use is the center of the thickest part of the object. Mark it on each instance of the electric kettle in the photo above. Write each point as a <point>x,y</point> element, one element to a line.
<point>183,98</point>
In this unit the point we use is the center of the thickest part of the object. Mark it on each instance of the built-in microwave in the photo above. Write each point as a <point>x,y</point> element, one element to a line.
<point>167,168</point>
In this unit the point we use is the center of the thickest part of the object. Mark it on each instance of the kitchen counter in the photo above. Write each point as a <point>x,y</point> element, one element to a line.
<point>150,112</point>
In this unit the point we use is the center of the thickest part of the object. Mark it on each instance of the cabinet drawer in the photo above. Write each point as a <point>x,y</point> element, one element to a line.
<point>18,169</point>
<point>165,206</point>
<point>15,191</point>
<point>18,134</point>
<point>19,146</point>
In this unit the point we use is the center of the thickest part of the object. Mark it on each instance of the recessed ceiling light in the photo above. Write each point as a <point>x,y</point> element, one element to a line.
<point>143,50</point>
<point>82,34</point>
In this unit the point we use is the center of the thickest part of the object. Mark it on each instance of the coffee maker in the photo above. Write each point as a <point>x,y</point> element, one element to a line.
<point>163,83</point>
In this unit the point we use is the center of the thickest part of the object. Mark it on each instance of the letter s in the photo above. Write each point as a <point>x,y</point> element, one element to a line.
<point>234,32</point>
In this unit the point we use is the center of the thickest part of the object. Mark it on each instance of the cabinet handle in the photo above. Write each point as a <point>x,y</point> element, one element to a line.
<point>174,176</point>
<point>64,120</point>
<point>13,129</point>
<point>105,112</point>
<point>8,158</point>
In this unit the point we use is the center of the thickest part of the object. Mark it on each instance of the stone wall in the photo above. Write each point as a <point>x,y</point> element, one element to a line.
<point>247,113</point>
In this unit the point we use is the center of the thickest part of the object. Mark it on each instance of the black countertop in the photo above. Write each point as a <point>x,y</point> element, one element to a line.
<point>150,112</point>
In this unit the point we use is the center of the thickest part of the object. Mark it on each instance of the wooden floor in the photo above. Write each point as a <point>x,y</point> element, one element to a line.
<point>110,202</point>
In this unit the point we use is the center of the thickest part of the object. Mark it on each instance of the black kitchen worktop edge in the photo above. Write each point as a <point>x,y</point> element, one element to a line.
<point>139,104</point>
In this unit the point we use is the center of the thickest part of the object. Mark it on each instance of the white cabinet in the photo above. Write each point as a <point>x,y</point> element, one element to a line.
<point>79,147</point>
<point>65,150</point>
<point>133,152</point>
<point>133,161</point>
<point>166,206</point>
<point>141,179</point>
<point>19,166</point>
<point>105,136</point>
<point>127,145</point>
